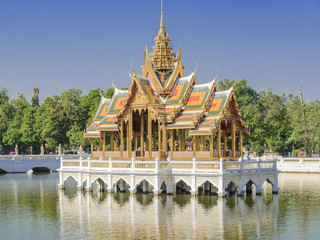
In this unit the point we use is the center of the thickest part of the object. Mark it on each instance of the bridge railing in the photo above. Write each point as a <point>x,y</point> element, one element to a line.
<point>170,165</point>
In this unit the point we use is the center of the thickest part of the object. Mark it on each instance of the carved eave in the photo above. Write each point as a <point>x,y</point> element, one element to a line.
<point>187,93</point>
<point>148,69</point>
<point>213,89</point>
<point>177,70</point>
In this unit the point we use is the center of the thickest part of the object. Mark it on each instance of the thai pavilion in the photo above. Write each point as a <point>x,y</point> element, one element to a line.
<point>152,125</point>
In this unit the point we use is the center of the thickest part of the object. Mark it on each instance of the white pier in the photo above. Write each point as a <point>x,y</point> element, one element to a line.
<point>196,177</point>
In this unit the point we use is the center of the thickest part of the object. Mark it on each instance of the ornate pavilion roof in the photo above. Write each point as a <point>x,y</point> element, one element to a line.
<point>172,97</point>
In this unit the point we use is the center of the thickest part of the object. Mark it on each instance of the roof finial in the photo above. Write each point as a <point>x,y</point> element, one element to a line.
<point>162,19</point>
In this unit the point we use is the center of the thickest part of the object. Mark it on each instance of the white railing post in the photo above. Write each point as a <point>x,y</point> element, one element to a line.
<point>241,162</point>
<point>157,165</point>
<point>89,163</point>
<point>61,162</point>
<point>259,163</point>
<point>110,164</point>
<point>80,162</point>
<point>169,166</point>
<point>132,164</point>
<point>301,160</point>
<point>194,164</point>
<point>100,158</point>
<point>221,165</point>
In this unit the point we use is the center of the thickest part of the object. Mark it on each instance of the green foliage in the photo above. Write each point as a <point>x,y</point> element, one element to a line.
<point>3,96</point>
<point>274,121</point>
<point>109,93</point>
<point>35,97</point>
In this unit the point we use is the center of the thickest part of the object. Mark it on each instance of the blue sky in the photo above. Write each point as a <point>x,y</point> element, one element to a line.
<point>55,45</point>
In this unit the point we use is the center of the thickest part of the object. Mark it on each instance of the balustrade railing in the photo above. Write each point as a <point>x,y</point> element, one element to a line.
<point>170,165</point>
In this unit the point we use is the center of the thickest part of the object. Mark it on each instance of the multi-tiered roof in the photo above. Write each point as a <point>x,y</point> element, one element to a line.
<point>172,98</point>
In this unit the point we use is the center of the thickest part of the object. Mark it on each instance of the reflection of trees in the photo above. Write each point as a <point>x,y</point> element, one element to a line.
<point>208,201</point>
<point>30,194</point>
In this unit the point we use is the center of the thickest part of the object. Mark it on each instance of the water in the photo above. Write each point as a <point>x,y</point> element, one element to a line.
<point>31,207</point>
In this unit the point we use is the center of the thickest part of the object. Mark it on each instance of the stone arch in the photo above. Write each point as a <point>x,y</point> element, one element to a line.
<point>163,187</point>
<point>121,185</point>
<point>231,188</point>
<point>144,186</point>
<point>249,185</point>
<point>182,187</point>
<point>207,187</point>
<point>99,184</point>
<point>268,180</point>
<point>68,179</point>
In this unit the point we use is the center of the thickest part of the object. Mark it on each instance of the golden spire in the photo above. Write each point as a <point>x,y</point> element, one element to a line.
<point>162,57</point>
<point>162,29</point>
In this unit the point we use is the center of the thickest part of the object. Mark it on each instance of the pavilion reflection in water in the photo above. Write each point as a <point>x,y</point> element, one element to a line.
<point>144,216</point>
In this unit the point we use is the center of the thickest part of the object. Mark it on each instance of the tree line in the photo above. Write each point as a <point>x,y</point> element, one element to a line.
<point>277,122</point>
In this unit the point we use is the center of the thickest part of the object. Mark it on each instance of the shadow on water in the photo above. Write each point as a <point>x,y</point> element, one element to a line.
<point>144,199</point>
<point>41,170</point>
<point>208,201</point>
<point>99,196</point>
<point>121,197</point>
<point>230,201</point>
<point>249,201</point>
<point>182,200</point>
<point>2,172</point>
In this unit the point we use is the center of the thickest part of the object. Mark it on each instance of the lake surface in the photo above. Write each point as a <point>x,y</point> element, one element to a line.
<point>32,207</point>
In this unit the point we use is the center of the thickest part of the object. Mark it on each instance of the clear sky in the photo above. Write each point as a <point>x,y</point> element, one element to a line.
<point>58,44</point>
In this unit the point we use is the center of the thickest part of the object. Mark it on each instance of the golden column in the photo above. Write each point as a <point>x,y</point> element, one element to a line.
<point>165,138</point>
<point>142,133</point>
<point>159,139</point>
<point>130,134</point>
<point>219,141</point>
<point>91,142</point>
<point>171,143</point>
<point>111,141</point>
<point>203,143</point>
<point>121,139</point>
<point>197,143</point>
<point>149,135</point>
<point>225,142</point>
<point>233,138</point>
<point>174,140</point>
<point>179,140</point>
<point>104,145</point>
<point>99,144</point>
<point>211,146</point>
<point>183,136</point>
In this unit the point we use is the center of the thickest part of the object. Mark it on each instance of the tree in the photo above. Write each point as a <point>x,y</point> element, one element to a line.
<point>35,97</point>
<point>91,102</point>
<point>277,126</point>
<point>109,93</point>
<point>3,96</point>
